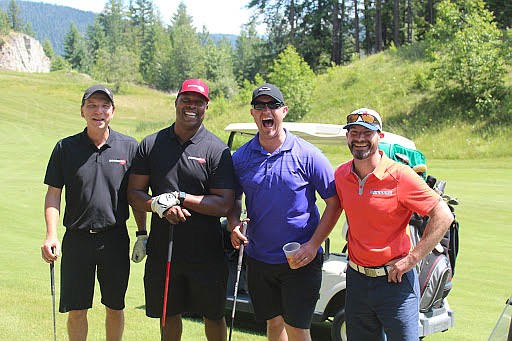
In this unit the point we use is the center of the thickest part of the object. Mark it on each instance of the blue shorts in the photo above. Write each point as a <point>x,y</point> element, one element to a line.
<point>83,255</point>
<point>198,288</point>
<point>376,309</point>
<point>277,290</point>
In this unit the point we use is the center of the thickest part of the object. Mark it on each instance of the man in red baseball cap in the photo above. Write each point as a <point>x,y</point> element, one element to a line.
<point>190,173</point>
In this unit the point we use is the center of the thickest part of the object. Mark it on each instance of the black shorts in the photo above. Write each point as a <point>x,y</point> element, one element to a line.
<point>84,255</point>
<point>198,288</point>
<point>276,290</point>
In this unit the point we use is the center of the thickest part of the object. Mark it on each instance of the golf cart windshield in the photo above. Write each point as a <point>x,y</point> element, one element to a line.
<point>315,133</point>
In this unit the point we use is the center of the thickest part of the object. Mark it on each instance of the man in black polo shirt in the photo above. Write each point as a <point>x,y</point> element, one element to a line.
<point>93,166</point>
<point>190,173</point>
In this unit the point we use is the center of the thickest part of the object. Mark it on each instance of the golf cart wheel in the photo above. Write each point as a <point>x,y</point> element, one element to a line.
<point>339,327</point>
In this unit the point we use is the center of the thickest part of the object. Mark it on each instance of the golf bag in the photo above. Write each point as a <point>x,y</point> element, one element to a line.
<point>436,270</point>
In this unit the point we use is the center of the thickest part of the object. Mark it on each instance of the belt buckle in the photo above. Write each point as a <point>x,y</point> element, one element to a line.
<point>370,272</point>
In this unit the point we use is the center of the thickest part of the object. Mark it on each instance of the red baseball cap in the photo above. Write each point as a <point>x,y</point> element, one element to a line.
<point>195,85</point>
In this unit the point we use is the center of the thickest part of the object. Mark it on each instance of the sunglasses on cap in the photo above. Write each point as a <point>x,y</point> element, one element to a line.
<point>270,105</point>
<point>365,117</point>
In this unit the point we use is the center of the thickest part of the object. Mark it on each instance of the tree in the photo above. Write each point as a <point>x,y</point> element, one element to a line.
<point>295,78</point>
<point>249,54</point>
<point>186,57</point>
<point>467,50</point>
<point>74,48</point>
<point>113,25</point>
<point>219,69</point>
<point>15,20</point>
<point>48,49</point>
<point>502,11</point>
<point>4,23</point>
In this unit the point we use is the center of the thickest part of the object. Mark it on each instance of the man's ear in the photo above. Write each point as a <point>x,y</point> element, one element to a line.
<point>285,111</point>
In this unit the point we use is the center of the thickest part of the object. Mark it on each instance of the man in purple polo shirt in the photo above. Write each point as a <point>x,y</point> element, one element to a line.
<point>279,173</point>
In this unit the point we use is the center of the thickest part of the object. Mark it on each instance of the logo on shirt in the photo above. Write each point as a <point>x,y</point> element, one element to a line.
<point>120,161</point>
<point>199,159</point>
<point>382,192</point>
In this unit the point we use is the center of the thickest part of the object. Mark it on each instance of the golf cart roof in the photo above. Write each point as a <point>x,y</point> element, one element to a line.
<point>315,133</point>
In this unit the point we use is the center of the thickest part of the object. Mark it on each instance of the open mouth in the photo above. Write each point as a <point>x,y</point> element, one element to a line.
<point>190,114</point>
<point>360,145</point>
<point>268,122</point>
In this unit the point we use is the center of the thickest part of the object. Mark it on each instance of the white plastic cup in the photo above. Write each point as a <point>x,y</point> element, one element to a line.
<point>290,249</point>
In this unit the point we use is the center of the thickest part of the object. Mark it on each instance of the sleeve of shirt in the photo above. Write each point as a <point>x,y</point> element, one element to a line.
<point>140,164</point>
<point>54,176</point>
<point>415,194</point>
<point>323,175</point>
<point>223,172</point>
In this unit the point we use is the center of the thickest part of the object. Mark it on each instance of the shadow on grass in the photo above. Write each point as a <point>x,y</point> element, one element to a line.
<point>245,323</point>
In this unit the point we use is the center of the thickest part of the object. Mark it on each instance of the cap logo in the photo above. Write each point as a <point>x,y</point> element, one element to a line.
<point>199,87</point>
<point>264,88</point>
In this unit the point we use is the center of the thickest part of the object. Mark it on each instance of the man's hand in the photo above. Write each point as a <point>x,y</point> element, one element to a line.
<point>163,202</point>
<point>139,249</point>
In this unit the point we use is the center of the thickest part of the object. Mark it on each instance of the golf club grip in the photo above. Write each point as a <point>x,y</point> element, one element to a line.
<point>52,274</point>
<point>244,230</point>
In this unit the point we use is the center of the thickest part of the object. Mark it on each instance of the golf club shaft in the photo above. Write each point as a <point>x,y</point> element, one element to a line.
<point>167,275</point>
<point>238,271</point>
<point>52,283</point>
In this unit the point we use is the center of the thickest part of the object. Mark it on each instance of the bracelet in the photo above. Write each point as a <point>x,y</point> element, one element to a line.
<point>141,233</point>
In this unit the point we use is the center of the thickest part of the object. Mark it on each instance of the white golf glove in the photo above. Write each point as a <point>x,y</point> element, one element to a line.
<point>163,202</point>
<point>139,248</point>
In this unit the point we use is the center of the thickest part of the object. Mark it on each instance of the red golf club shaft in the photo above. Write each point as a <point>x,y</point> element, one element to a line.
<point>167,275</point>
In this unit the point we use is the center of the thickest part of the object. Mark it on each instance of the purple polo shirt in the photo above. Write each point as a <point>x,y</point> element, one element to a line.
<point>279,193</point>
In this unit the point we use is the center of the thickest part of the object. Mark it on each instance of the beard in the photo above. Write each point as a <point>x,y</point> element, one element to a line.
<point>362,154</point>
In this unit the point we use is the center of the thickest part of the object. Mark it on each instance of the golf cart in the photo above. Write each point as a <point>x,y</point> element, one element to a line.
<point>330,306</point>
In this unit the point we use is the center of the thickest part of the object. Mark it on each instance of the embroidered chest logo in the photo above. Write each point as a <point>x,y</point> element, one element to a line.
<point>120,161</point>
<point>382,192</point>
<point>198,159</point>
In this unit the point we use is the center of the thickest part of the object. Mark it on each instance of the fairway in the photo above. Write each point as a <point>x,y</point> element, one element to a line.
<point>30,125</point>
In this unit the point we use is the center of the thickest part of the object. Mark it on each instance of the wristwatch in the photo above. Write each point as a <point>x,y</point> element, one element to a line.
<point>181,197</point>
<point>141,233</point>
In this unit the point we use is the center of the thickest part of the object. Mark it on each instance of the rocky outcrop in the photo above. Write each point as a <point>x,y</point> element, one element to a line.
<point>20,52</point>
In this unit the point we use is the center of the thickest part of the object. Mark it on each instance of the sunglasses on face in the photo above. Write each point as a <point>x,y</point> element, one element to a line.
<point>365,117</point>
<point>270,105</point>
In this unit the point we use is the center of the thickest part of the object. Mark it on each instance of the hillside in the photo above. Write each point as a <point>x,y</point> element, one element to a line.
<point>52,22</point>
<point>393,83</point>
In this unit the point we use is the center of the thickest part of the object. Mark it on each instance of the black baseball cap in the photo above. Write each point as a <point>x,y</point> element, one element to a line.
<point>268,90</point>
<point>95,88</point>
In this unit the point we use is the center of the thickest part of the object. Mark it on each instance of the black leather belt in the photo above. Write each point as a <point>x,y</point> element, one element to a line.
<point>101,229</point>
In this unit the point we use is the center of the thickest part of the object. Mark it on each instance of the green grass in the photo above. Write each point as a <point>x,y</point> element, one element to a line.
<point>38,109</point>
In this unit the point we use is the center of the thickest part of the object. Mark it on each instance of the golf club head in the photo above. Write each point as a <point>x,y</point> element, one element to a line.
<point>403,158</point>
<point>431,181</point>
<point>440,186</point>
<point>453,201</point>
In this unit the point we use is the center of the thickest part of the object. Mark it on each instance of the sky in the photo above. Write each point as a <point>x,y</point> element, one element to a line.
<point>219,16</point>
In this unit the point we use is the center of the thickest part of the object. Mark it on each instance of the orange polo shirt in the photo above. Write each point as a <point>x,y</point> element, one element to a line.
<point>378,209</point>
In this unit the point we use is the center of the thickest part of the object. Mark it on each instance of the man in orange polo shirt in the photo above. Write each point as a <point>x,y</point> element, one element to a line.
<point>379,196</point>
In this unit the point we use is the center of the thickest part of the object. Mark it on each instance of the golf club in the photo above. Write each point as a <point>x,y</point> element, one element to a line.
<point>238,270</point>
<point>52,282</point>
<point>167,275</point>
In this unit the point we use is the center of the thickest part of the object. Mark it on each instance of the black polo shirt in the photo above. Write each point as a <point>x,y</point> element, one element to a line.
<point>199,165</point>
<point>95,180</point>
